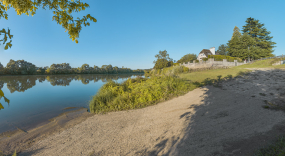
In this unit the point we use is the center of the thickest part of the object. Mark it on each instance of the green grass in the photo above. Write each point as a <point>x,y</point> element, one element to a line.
<point>171,82</point>
<point>213,74</point>
<point>14,154</point>
<point>137,93</point>
<point>264,64</point>
<point>276,149</point>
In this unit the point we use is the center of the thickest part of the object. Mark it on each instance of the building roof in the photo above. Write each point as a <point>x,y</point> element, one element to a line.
<point>206,52</point>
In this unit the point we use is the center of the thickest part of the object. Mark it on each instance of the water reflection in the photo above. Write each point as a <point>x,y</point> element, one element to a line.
<point>35,99</point>
<point>22,83</point>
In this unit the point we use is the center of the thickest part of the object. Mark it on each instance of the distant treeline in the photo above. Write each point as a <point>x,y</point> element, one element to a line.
<point>22,67</point>
<point>22,83</point>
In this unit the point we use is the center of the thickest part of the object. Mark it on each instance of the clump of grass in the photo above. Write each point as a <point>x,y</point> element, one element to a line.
<point>208,81</point>
<point>137,93</point>
<point>276,149</point>
<point>229,77</point>
<point>262,94</point>
<point>242,73</point>
<point>2,154</point>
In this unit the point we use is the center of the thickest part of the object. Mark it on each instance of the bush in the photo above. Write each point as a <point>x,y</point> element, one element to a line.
<point>176,64</point>
<point>185,69</point>
<point>136,93</point>
<point>275,60</point>
<point>205,59</point>
<point>221,57</point>
<point>168,71</point>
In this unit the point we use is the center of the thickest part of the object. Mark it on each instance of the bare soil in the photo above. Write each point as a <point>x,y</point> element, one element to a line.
<point>227,120</point>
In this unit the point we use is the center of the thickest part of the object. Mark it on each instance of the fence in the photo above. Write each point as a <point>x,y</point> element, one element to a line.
<point>212,63</point>
<point>277,63</point>
<point>280,56</point>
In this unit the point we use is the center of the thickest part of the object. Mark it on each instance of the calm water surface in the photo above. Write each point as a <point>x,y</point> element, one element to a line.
<point>35,99</point>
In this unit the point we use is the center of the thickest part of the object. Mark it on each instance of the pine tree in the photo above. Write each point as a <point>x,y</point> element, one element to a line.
<point>222,50</point>
<point>247,49</point>
<point>260,34</point>
<point>233,44</point>
<point>236,32</point>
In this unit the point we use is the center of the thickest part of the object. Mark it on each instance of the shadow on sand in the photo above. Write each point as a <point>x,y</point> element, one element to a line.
<point>237,118</point>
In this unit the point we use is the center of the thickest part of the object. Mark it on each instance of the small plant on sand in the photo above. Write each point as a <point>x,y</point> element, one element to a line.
<point>219,78</point>
<point>229,77</point>
<point>1,153</point>
<point>262,94</point>
<point>276,149</point>
<point>242,73</point>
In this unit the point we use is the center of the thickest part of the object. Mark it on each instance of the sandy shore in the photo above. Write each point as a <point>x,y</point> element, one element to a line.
<point>225,120</point>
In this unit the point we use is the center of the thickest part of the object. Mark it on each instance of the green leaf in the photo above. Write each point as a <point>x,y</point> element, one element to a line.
<point>15,154</point>
<point>6,47</point>
<point>1,93</point>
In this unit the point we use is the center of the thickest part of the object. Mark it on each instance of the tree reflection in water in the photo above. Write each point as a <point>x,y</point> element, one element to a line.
<point>22,83</point>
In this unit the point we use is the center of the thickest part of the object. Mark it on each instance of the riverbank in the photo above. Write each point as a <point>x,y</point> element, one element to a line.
<point>22,139</point>
<point>206,121</point>
<point>227,97</point>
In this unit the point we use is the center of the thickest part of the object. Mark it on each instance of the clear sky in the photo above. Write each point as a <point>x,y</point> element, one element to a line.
<point>130,33</point>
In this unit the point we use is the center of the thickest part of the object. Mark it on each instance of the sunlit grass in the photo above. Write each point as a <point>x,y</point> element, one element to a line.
<point>212,74</point>
<point>264,64</point>
<point>173,81</point>
<point>137,93</point>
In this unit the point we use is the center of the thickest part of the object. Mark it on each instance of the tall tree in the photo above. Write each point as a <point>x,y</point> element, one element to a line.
<point>233,44</point>
<point>222,50</point>
<point>163,60</point>
<point>236,32</point>
<point>62,14</point>
<point>246,48</point>
<point>260,34</point>
<point>187,58</point>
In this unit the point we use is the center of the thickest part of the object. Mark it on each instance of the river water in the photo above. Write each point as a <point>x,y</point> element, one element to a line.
<point>37,98</point>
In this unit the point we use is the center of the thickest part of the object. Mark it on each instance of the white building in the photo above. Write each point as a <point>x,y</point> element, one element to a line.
<point>205,52</point>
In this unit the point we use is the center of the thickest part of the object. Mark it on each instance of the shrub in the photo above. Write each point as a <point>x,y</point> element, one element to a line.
<point>221,57</point>
<point>176,64</point>
<point>185,69</point>
<point>136,93</point>
<point>275,60</point>
<point>168,71</point>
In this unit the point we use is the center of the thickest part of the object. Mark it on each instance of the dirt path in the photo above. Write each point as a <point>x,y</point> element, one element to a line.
<point>226,120</point>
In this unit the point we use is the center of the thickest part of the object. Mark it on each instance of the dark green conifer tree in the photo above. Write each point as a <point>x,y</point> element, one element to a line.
<point>233,44</point>
<point>261,36</point>
<point>222,50</point>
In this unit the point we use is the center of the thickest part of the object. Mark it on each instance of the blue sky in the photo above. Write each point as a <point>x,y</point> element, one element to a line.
<point>130,33</point>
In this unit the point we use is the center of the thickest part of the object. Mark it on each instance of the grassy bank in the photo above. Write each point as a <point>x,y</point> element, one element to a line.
<point>137,93</point>
<point>163,85</point>
<point>168,83</point>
